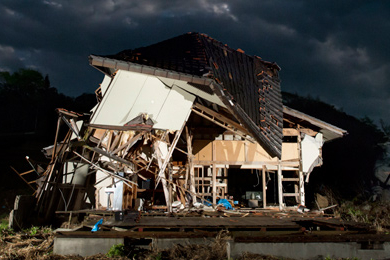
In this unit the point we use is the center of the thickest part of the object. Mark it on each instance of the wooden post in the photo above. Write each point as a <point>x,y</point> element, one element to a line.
<point>166,161</point>
<point>301,188</point>
<point>280,187</point>
<point>300,174</point>
<point>169,202</point>
<point>214,183</point>
<point>214,172</point>
<point>190,166</point>
<point>264,187</point>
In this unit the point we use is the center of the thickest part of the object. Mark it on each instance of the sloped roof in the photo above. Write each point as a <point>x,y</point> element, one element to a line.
<point>247,85</point>
<point>329,131</point>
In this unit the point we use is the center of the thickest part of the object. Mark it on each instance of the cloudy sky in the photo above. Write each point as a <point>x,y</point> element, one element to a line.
<point>331,49</point>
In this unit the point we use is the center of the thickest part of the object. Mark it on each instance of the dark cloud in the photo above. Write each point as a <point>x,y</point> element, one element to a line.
<point>334,50</point>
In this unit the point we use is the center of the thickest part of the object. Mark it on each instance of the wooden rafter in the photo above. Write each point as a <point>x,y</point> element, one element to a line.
<point>221,120</point>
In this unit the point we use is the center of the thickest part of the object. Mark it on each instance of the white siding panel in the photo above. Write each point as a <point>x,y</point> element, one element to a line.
<point>175,110</point>
<point>119,99</point>
<point>131,94</point>
<point>150,99</point>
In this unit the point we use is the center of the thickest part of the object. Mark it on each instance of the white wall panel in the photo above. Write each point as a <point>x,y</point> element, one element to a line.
<point>175,110</point>
<point>131,94</point>
<point>150,99</point>
<point>119,99</point>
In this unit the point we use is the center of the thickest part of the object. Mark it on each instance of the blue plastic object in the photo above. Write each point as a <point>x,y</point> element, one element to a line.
<point>225,203</point>
<point>96,226</point>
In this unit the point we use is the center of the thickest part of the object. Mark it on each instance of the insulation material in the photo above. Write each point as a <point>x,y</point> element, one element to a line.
<point>311,152</point>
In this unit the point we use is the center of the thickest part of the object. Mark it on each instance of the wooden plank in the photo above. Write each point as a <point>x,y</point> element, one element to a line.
<point>290,132</point>
<point>229,150</point>
<point>291,194</point>
<point>290,179</point>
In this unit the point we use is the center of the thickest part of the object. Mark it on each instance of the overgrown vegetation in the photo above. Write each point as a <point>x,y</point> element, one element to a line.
<point>116,250</point>
<point>375,214</point>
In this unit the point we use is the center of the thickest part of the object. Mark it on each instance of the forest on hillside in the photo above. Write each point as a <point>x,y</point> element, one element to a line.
<point>28,102</point>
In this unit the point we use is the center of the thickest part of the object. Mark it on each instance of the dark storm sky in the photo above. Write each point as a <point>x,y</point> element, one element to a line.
<point>335,50</point>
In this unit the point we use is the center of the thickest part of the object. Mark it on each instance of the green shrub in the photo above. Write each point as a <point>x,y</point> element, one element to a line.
<point>116,250</point>
<point>33,231</point>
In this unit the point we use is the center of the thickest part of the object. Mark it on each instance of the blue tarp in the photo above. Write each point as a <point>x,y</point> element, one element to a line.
<point>96,226</point>
<point>225,203</point>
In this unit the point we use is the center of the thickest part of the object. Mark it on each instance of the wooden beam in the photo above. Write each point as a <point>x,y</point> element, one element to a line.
<point>280,188</point>
<point>221,117</point>
<point>224,125</point>
<point>290,132</point>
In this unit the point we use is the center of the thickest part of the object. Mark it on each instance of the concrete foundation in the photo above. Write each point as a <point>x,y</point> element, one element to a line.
<point>312,250</point>
<point>84,246</point>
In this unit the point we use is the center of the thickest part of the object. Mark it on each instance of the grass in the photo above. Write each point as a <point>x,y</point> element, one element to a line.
<point>4,221</point>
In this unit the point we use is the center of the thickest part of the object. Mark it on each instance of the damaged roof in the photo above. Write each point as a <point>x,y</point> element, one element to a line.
<point>248,86</point>
<point>329,131</point>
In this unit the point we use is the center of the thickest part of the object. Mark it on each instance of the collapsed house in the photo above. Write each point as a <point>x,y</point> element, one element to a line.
<point>180,123</point>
